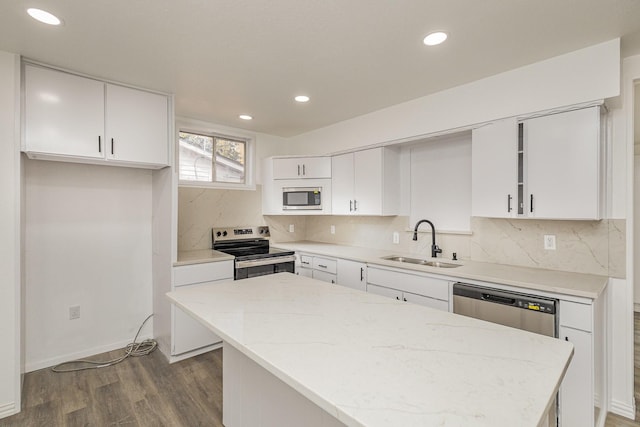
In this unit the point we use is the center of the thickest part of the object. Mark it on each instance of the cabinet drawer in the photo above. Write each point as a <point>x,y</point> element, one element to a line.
<point>576,315</point>
<point>324,276</point>
<point>324,264</point>
<point>385,292</point>
<point>205,272</point>
<point>306,261</point>
<point>420,285</point>
<point>426,301</point>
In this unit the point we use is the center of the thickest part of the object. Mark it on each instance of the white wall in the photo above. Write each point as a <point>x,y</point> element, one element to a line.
<point>88,243</point>
<point>585,75</point>
<point>9,236</point>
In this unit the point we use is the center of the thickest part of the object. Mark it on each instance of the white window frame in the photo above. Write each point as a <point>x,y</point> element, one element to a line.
<point>210,129</point>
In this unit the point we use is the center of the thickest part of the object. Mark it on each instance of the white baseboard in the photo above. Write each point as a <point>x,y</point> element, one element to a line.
<point>623,409</point>
<point>8,409</point>
<point>31,366</point>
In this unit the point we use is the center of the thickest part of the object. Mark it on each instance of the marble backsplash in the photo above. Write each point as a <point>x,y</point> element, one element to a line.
<point>595,247</point>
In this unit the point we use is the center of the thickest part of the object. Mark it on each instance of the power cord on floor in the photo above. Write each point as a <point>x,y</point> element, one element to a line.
<point>134,348</point>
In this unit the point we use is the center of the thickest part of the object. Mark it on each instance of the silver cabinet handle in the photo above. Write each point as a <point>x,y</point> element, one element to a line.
<point>99,144</point>
<point>112,146</point>
<point>355,205</point>
<point>361,274</point>
<point>304,172</point>
<point>509,202</point>
<point>350,205</point>
<point>305,263</point>
<point>298,170</point>
<point>322,266</point>
<point>531,203</point>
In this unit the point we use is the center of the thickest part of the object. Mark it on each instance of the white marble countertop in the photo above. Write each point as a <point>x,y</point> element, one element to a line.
<point>374,361</point>
<point>201,256</point>
<point>559,282</point>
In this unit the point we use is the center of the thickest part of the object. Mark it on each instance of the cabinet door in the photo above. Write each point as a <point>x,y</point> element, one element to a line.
<point>385,292</point>
<point>290,168</point>
<point>306,272</point>
<point>426,301</point>
<point>368,182</point>
<point>188,334</point>
<point>576,391</point>
<point>342,176</point>
<point>136,126</point>
<point>563,165</point>
<point>316,167</point>
<point>324,276</point>
<point>352,274</point>
<point>494,169</point>
<point>64,114</point>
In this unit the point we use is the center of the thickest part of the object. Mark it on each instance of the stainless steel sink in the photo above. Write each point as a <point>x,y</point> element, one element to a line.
<point>417,261</point>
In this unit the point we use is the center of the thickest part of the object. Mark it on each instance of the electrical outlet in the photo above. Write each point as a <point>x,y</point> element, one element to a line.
<point>550,242</point>
<point>396,237</point>
<point>333,229</point>
<point>292,228</point>
<point>74,312</point>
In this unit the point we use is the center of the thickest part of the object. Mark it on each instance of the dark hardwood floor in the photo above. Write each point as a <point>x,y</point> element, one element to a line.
<point>147,391</point>
<point>141,391</point>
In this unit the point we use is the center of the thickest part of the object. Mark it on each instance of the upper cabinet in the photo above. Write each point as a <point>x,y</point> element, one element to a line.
<point>494,170</point>
<point>563,158</point>
<point>77,119</point>
<point>546,167</point>
<point>301,167</point>
<point>366,182</point>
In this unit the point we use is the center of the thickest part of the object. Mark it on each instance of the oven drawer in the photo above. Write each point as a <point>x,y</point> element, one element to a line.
<point>324,264</point>
<point>204,272</point>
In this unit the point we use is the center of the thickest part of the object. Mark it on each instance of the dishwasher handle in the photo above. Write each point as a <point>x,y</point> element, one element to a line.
<point>498,299</point>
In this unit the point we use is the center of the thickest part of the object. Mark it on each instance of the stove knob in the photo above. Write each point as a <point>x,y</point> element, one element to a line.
<point>218,234</point>
<point>224,233</point>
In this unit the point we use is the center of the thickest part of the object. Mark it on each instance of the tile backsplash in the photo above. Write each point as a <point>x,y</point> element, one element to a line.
<point>595,247</point>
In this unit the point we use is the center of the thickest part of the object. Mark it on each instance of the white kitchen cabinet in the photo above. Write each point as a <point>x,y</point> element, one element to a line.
<point>352,274</point>
<point>366,182</point>
<point>78,119</point>
<point>136,126</point>
<point>415,288</point>
<point>576,393</point>
<point>318,267</point>
<point>563,154</point>
<point>301,167</point>
<point>187,335</point>
<point>64,114</point>
<point>547,167</point>
<point>494,170</point>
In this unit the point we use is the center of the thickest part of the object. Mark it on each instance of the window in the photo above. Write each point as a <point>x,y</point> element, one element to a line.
<point>212,159</point>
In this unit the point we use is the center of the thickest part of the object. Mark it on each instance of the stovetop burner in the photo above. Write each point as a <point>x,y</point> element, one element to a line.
<point>246,243</point>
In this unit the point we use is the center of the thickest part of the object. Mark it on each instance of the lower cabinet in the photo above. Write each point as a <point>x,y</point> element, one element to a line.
<point>187,335</point>
<point>317,267</point>
<point>352,274</point>
<point>583,390</point>
<point>414,288</point>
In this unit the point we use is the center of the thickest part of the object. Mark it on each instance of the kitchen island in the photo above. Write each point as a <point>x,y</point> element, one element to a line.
<point>302,352</point>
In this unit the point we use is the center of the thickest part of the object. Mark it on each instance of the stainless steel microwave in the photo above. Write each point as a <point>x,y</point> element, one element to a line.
<point>302,198</point>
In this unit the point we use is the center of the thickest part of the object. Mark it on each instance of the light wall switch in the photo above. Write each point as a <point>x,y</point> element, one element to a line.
<point>333,229</point>
<point>74,312</point>
<point>396,237</point>
<point>550,242</point>
<point>292,228</point>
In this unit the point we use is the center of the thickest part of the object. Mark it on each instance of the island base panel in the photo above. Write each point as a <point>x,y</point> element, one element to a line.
<point>252,396</point>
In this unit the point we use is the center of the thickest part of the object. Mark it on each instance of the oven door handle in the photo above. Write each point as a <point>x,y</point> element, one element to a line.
<point>265,261</point>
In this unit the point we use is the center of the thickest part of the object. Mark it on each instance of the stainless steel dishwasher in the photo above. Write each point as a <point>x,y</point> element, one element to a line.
<point>522,311</point>
<point>528,312</point>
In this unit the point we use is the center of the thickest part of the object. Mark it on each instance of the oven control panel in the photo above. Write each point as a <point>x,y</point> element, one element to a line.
<point>237,233</point>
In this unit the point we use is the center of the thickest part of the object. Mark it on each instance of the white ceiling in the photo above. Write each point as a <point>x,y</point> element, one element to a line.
<point>223,58</point>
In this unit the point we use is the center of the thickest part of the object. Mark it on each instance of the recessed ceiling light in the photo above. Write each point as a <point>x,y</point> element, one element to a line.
<point>245,117</point>
<point>435,38</point>
<point>44,16</point>
<point>302,98</point>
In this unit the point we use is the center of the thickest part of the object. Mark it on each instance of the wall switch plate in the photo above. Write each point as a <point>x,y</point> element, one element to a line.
<point>333,229</point>
<point>74,312</point>
<point>550,242</point>
<point>396,237</point>
<point>292,228</point>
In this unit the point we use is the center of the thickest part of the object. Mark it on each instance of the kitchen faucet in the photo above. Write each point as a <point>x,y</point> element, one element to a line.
<point>435,250</point>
